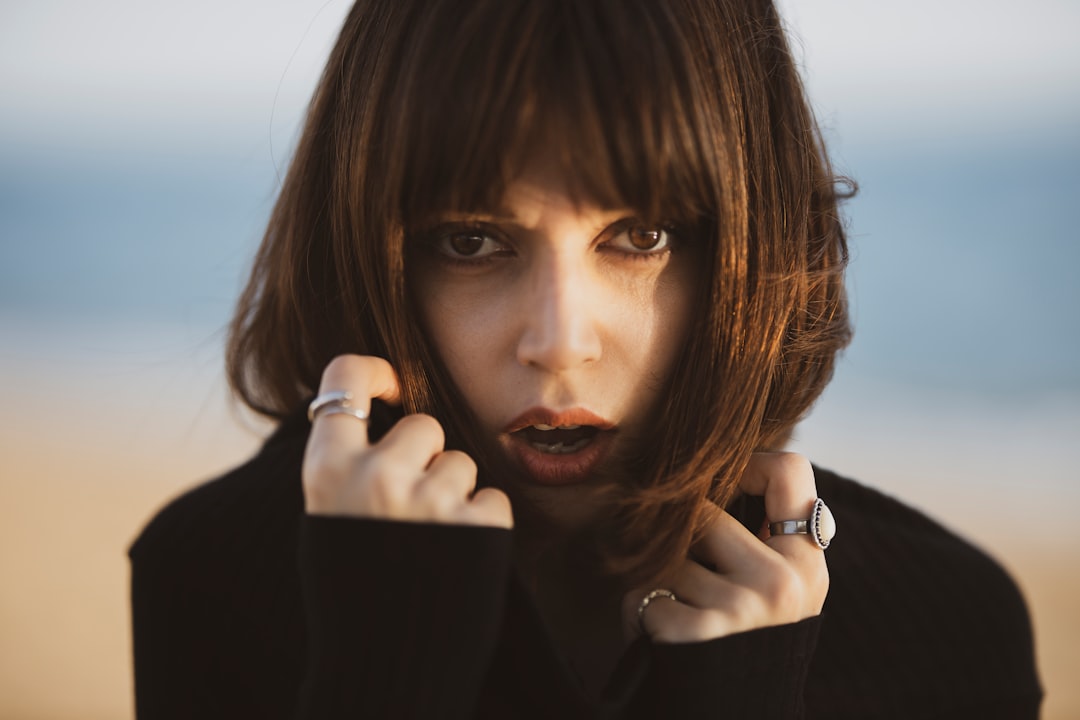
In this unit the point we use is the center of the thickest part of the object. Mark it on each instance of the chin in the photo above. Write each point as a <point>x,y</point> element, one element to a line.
<point>560,509</point>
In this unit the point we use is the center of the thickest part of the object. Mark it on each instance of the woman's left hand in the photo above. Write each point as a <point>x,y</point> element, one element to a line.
<point>737,581</point>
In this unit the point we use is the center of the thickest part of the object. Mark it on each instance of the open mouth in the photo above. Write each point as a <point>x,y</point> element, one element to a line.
<point>558,440</point>
<point>559,447</point>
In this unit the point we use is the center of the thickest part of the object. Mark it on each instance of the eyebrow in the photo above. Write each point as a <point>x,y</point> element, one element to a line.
<point>504,215</point>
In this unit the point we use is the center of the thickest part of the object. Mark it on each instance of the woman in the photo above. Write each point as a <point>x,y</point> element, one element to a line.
<point>554,281</point>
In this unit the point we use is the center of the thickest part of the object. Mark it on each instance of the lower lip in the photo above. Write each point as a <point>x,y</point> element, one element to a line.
<point>556,470</point>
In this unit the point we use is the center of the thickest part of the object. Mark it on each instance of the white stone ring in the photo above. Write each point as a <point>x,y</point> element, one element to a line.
<point>820,526</point>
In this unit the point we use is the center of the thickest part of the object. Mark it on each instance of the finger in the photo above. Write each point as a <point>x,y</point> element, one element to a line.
<point>673,621</point>
<point>365,377</point>
<point>698,586</point>
<point>786,480</point>
<point>491,507</point>
<point>726,546</point>
<point>452,472</point>
<point>412,443</point>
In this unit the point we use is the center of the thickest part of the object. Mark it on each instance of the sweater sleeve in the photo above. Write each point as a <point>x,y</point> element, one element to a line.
<point>402,618</point>
<point>759,674</point>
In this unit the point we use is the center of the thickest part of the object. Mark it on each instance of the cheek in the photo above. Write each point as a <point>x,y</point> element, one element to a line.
<point>463,326</point>
<point>661,319</point>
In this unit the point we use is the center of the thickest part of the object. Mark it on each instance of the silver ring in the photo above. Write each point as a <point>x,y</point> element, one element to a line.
<point>820,526</point>
<point>342,410</point>
<point>652,595</point>
<point>336,402</point>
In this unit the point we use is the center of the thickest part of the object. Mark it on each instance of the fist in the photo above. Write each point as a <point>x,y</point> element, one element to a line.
<point>407,475</point>
<point>737,581</point>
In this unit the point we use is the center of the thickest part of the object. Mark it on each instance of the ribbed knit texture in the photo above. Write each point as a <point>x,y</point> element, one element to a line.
<point>243,607</point>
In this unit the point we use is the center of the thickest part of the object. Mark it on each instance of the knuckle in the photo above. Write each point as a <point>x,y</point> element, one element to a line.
<point>791,464</point>
<point>492,507</point>
<point>381,482</point>
<point>664,635</point>
<point>661,630</point>
<point>435,502</point>
<point>784,593</point>
<point>745,612</point>
<point>340,367</point>
<point>348,370</point>
<point>317,495</point>
<point>712,624</point>
<point>425,425</point>
<point>700,626</point>
<point>462,461</point>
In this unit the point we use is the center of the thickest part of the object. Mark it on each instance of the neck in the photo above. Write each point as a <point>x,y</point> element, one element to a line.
<point>580,604</point>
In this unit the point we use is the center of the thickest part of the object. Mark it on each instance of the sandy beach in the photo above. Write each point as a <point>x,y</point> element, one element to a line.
<point>77,485</point>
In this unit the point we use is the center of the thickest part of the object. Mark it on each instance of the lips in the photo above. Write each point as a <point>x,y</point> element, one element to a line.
<point>558,447</point>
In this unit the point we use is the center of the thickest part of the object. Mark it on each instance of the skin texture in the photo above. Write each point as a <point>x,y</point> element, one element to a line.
<point>562,312</point>
<point>547,303</point>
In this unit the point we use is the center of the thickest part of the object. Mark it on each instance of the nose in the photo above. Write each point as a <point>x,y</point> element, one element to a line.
<point>560,330</point>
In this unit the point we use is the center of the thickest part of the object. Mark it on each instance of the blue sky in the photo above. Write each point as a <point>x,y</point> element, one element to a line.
<point>140,145</point>
<point>215,68</point>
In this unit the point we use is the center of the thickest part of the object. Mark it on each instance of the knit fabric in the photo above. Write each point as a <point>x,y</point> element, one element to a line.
<point>244,607</point>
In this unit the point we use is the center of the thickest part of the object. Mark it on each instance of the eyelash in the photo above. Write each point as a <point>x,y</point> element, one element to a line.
<point>445,233</point>
<point>631,224</point>
<point>436,237</point>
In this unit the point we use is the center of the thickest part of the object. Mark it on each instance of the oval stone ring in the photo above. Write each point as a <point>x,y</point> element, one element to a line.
<point>820,526</point>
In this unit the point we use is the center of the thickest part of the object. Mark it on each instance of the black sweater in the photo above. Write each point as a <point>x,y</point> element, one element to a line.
<point>244,607</point>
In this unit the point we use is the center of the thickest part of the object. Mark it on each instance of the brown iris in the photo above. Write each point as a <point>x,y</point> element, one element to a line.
<point>644,238</point>
<point>466,243</point>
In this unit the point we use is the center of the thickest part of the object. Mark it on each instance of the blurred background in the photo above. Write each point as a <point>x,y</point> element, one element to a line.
<point>141,146</point>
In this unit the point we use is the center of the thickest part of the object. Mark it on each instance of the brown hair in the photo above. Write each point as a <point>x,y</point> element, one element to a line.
<point>678,108</point>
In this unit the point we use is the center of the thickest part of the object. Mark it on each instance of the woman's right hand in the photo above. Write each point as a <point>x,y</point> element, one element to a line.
<point>406,476</point>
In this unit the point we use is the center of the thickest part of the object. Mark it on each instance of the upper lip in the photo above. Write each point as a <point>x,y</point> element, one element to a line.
<point>546,416</point>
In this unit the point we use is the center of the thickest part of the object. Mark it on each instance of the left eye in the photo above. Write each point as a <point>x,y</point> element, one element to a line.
<point>641,239</point>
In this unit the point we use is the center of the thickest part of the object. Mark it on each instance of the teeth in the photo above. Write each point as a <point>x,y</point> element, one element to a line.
<point>545,428</point>
<point>561,448</point>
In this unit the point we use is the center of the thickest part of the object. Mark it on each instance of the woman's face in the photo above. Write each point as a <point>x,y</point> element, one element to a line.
<point>560,325</point>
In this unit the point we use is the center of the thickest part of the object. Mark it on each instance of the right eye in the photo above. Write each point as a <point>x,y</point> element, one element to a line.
<point>469,244</point>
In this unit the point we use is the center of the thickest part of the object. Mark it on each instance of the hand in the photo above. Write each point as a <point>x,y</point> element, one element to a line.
<point>737,581</point>
<point>405,476</point>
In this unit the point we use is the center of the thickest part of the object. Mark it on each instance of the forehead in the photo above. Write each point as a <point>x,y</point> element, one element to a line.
<point>536,200</point>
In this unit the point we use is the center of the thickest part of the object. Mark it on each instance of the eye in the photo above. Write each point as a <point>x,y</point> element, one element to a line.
<point>640,239</point>
<point>468,244</point>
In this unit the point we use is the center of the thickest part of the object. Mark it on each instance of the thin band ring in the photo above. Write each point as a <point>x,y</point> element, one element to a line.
<point>647,600</point>
<point>335,402</point>
<point>342,410</point>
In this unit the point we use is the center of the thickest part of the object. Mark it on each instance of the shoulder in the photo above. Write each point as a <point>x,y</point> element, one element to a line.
<point>216,603</point>
<point>917,613</point>
<point>882,541</point>
<point>257,502</point>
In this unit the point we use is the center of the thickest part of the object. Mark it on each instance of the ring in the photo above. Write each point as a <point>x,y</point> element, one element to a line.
<point>820,526</point>
<point>652,595</point>
<point>336,402</point>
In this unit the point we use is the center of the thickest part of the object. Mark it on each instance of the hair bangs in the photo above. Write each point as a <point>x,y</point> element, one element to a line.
<point>562,85</point>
